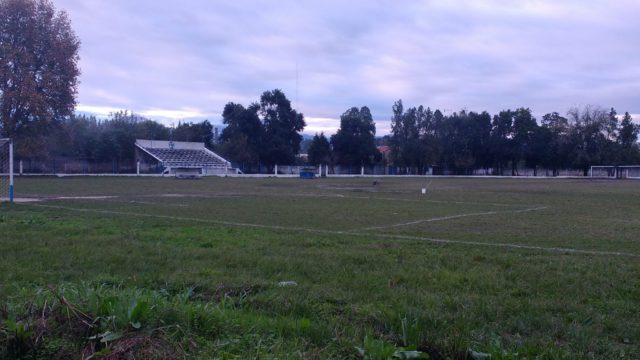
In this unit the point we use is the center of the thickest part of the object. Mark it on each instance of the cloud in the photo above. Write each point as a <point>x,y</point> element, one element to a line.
<point>173,59</point>
<point>100,111</point>
<point>318,125</point>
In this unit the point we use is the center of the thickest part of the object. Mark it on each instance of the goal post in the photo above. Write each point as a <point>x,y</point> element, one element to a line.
<point>615,172</point>
<point>6,170</point>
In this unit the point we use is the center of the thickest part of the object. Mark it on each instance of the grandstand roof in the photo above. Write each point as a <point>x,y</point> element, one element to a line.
<point>174,154</point>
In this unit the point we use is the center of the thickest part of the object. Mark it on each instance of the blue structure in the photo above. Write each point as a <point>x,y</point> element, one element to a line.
<point>307,173</point>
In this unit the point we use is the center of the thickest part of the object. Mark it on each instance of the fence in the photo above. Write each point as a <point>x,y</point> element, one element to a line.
<point>83,167</point>
<point>380,170</point>
<point>6,173</point>
<point>71,166</point>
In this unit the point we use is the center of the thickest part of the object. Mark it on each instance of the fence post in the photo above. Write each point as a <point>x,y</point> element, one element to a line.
<point>275,170</point>
<point>362,170</point>
<point>326,170</point>
<point>20,167</point>
<point>138,168</point>
<point>10,171</point>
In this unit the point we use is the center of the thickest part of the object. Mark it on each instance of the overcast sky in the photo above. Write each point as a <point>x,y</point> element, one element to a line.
<point>184,60</point>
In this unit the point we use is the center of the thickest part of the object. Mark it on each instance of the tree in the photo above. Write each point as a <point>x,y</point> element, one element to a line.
<point>628,135</point>
<point>354,143</point>
<point>319,150</point>
<point>405,136</point>
<point>554,137</point>
<point>628,140</point>
<point>525,129</point>
<point>480,142</point>
<point>197,132</point>
<point>38,71</point>
<point>611,124</point>
<point>242,138</point>
<point>502,139</point>
<point>588,137</point>
<point>282,127</point>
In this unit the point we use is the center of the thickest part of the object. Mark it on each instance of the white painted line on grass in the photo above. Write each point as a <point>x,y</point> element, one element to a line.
<point>33,198</point>
<point>341,196</point>
<point>182,218</point>
<point>443,218</point>
<point>352,233</point>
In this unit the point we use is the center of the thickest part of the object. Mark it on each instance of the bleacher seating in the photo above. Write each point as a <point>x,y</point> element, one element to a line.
<point>186,158</point>
<point>176,155</point>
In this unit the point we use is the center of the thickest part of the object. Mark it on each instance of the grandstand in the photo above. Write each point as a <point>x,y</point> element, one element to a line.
<point>183,159</point>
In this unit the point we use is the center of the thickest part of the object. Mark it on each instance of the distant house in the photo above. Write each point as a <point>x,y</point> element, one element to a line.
<point>385,150</point>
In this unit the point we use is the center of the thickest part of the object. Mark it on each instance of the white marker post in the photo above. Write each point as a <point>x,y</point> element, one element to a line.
<point>424,189</point>
<point>138,168</point>
<point>11,172</point>
<point>275,170</point>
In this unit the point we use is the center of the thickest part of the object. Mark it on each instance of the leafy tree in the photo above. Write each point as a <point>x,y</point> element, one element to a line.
<point>319,150</point>
<point>149,129</point>
<point>628,135</point>
<point>480,133</point>
<point>588,139</point>
<point>242,138</point>
<point>525,129</point>
<point>76,137</point>
<point>85,137</point>
<point>610,126</point>
<point>502,139</point>
<point>554,134</point>
<point>38,71</point>
<point>628,140</point>
<point>434,140</point>
<point>197,132</point>
<point>405,136</point>
<point>354,143</point>
<point>282,127</point>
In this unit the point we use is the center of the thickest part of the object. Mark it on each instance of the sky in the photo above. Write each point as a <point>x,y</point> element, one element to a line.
<point>184,60</point>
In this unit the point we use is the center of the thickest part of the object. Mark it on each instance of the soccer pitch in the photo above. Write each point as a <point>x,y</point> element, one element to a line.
<point>508,267</point>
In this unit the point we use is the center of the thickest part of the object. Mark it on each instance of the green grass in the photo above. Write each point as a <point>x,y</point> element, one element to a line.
<point>198,271</point>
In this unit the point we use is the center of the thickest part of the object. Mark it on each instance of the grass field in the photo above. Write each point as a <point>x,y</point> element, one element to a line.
<point>152,267</point>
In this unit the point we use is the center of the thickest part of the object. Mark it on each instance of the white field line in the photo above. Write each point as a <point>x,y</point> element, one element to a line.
<point>443,218</point>
<point>32,198</point>
<point>352,233</point>
<point>342,196</point>
<point>182,218</point>
<point>136,202</point>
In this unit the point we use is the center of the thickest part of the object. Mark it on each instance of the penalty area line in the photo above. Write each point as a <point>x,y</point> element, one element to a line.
<point>352,233</point>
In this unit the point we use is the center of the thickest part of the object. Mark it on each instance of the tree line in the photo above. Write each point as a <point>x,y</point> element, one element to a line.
<point>267,133</point>
<point>465,141</point>
<point>86,137</point>
<point>468,140</point>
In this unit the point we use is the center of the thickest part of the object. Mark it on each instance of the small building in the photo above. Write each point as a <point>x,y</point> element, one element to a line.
<point>385,150</point>
<point>181,158</point>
